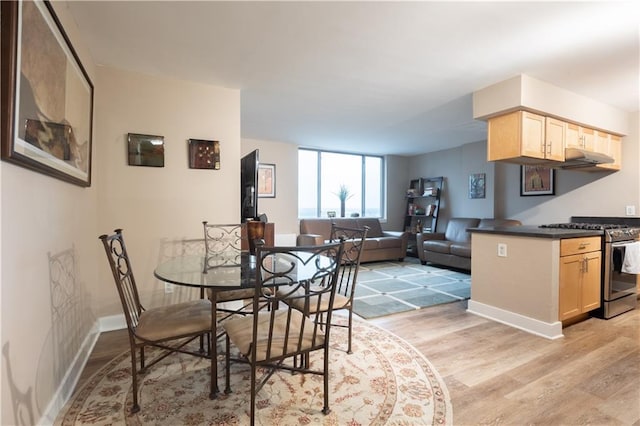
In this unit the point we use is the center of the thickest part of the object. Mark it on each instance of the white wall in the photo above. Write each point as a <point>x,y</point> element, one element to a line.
<point>43,216</point>
<point>158,204</point>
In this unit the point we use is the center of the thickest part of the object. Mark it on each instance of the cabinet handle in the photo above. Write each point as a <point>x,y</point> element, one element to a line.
<point>582,246</point>
<point>586,265</point>
<point>550,142</point>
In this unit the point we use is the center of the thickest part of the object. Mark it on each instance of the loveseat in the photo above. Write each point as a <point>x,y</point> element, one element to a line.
<point>453,247</point>
<point>379,244</point>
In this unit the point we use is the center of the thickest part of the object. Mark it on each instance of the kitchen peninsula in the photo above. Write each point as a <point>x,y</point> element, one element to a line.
<point>516,274</point>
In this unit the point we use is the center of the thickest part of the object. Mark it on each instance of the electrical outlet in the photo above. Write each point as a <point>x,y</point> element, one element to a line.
<point>630,210</point>
<point>502,250</point>
<point>168,288</point>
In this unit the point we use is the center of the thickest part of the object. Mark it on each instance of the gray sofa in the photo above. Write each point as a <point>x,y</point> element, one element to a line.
<point>379,244</point>
<point>453,247</point>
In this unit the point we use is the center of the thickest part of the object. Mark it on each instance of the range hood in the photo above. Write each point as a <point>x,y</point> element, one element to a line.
<point>576,158</point>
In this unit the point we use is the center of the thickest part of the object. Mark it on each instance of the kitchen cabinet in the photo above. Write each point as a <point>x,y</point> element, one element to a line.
<point>523,135</point>
<point>580,137</point>
<point>580,268</point>
<point>614,149</point>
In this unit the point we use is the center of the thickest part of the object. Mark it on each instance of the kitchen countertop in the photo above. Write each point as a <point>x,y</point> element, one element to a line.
<point>537,232</point>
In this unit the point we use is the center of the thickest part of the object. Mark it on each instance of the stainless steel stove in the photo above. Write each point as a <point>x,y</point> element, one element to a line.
<point>619,293</point>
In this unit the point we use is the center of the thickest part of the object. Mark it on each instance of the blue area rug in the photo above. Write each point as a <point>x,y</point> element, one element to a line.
<point>386,288</point>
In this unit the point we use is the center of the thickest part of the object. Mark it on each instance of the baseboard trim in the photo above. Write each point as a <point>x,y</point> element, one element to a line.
<point>539,328</point>
<point>70,379</point>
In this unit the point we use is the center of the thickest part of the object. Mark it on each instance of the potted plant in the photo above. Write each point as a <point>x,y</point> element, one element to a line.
<point>343,194</point>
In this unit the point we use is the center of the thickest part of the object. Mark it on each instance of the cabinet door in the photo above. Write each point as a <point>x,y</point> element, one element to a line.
<point>615,151</point>
<point>573,138</point>
<point>533,128</point>
<point>554,139</point>
<point>591,282</point>
<point>601,144</point>
<point>569,303</point>
<point>588,138</point>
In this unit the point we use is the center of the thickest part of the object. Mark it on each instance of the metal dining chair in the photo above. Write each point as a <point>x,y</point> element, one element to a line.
<point>354,239</point>
<point>271,337</point>
<point>169,327</point>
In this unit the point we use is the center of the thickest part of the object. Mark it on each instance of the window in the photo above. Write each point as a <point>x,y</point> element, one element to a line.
<point>322,175</point>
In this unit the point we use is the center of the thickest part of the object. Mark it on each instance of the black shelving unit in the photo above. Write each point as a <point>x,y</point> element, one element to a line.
<point>422,208</point>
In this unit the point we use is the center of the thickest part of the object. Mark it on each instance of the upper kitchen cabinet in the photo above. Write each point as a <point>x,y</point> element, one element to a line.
<point>525,137</point>
<point>614,149</point>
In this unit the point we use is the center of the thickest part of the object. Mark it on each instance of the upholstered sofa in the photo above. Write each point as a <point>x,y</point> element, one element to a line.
<point>453,247</point>
<point>379,244</point>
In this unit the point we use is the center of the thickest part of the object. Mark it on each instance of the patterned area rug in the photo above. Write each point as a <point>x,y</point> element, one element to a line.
<point>386,288</point>
<point>384,382</point>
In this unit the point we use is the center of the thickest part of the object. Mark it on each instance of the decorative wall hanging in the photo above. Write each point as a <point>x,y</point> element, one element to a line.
<point>145,150</point>
<point>537,180</point>
<point>477,185</point>
<point>266,180</point>
<point>47,96</point>
<point>204,154</point>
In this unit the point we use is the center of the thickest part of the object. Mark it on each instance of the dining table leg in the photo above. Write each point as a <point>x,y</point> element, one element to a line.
<point>213,349</point>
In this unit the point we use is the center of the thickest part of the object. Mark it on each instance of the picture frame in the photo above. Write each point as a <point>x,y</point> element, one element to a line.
<point>536,180</point>
<point>46,98</point>
<point>204,154</point>
<point>477,185</point>
<point>266,180</point>
<point>145,150</point>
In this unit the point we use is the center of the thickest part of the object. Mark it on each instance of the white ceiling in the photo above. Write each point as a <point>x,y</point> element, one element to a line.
<point>376,77</point>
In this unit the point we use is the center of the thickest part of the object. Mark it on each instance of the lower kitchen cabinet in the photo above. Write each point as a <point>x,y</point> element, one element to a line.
<point>580,267</point>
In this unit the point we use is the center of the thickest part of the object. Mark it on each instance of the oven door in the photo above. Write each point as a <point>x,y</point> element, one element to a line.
<point>620,283</point>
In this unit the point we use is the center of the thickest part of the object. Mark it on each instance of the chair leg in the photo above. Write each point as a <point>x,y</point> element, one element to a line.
<point>349,351</point>
<point>134,378</point>
<point>253,394</point>
<point>227,361</point>
<point>325,375</point>
<point>142,359</point>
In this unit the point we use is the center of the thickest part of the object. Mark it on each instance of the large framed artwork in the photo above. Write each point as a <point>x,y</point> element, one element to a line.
<point>47,96</point>
<point>537,180</point>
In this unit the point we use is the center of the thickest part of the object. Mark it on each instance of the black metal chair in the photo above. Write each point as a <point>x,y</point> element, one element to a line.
<point>168,327</point>
<point>268,338</point>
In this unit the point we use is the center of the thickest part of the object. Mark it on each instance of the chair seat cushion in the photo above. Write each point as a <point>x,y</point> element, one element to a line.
<point>437,246</point>
<point>230,295</point>
<point>171,321</point>
<point>240,332</point>
<point>339,301</point>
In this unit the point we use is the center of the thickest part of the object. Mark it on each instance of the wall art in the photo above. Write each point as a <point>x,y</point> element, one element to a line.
<point>145,150</point>
<point>477,185</point>
<point>266,180</point>
<point>537,180</point>
<point>204,154</point>
<point>47,96</point>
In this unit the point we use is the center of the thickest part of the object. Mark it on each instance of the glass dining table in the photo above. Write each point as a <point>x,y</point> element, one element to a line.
<point>232,270</point>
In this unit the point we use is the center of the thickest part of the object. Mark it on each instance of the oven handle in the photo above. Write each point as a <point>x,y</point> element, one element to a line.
<point>623,243</point>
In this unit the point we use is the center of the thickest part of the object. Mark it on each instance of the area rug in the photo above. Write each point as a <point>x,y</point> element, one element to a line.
<point>386,288</point>
<point>385,381</point>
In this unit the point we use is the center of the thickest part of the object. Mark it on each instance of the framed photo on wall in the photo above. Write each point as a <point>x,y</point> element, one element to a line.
<point>537,180</point>
<point>477,185</point>
<point>204,154</point>
<point>266,180</point>
<point>47,96</point>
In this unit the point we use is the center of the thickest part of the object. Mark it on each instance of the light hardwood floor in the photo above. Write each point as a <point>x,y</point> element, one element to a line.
<point>500,375</point>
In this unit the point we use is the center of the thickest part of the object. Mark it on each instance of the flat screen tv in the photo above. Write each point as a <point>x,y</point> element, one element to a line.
<point>248,186</point>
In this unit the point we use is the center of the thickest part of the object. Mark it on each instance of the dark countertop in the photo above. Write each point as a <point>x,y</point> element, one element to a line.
<point>537,232</point>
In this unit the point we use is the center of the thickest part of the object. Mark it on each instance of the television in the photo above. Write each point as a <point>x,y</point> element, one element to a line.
<point>249,186</point>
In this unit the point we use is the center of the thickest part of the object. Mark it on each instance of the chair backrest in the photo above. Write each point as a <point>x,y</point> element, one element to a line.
<point>353,243</point>
<point>304,276</point>
<point>223,244</point>
<point>120,265</point>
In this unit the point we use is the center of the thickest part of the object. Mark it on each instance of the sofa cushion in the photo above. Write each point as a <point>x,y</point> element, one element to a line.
<point>461,249</point>
<point>382,243</point>
<point>375,229</point>
<point>437,246</point>
<point>457,229</point>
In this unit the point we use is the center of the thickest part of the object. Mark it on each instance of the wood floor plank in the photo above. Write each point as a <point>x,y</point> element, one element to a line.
<point>499,375</point>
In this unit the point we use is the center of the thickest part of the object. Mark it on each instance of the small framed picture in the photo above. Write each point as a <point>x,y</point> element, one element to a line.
<point>266,180</point>
<point>477,185</point>
<point>145,150</point>
<point>204,154</point>
<point>537,180</point>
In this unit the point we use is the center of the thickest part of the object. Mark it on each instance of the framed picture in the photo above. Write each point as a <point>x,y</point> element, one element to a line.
<point>145,150</point>
<point>47,96</point>
<point>477,185</point>
<point>537,180</point>
<point>266,180</point>
<point>204,154</point>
